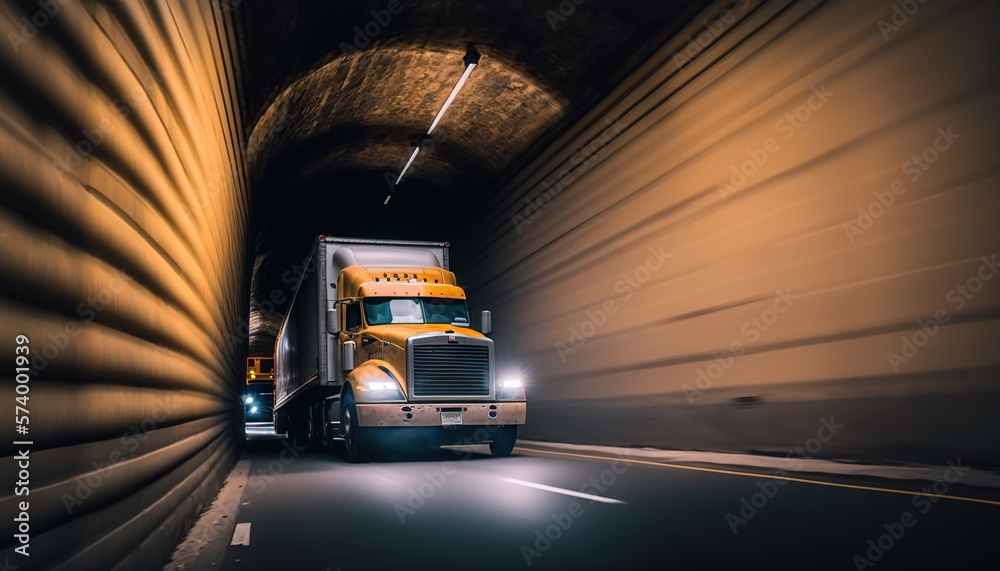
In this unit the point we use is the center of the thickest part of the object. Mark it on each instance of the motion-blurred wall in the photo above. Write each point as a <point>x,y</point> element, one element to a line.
<point>123,216</point>
<point>719,256</point>
<point>789,214</point>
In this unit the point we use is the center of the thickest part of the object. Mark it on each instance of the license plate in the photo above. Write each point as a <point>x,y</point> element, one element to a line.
<point>451,418</point>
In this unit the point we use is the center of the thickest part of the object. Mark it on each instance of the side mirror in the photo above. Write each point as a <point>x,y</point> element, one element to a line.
<point>349,348</point>
<point>332,326</point>
<point>487,322</point>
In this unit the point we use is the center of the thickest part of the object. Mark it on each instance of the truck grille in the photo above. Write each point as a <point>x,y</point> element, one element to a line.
<point>447,370</point>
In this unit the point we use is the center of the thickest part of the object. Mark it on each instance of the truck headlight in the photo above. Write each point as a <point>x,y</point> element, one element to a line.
<point>380,385</point>
<point>510,389</point>
<point>379,391</point>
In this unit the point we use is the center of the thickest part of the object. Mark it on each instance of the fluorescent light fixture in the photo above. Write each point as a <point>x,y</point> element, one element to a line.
<point>408,163</point>
<point>471,60</point>
<point>451,98</point>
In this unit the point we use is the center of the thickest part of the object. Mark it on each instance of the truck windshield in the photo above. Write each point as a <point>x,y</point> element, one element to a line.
<point>386,310</point>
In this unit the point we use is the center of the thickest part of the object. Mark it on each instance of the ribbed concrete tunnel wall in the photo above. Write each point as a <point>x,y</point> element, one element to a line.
<point>822,106</point>
<point>123,219</point>
<point>686,267</point>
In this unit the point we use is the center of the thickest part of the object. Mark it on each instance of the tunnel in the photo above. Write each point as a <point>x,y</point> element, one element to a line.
<point>713,227</point>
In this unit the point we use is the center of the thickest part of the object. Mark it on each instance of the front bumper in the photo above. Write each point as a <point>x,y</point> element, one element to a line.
<point>424,414</point>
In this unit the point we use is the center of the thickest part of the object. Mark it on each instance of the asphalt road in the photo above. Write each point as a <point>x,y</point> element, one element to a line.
<point>311,510</point>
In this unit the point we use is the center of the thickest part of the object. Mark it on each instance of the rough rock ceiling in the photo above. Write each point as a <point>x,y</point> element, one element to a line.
<point>336,92</point>
<point>362,112</point>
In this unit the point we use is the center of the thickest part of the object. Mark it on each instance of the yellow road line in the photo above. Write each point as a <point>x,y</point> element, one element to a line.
<point>772,477</point>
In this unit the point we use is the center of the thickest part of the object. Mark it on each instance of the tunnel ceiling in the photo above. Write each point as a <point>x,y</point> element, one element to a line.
<point>337,92</point>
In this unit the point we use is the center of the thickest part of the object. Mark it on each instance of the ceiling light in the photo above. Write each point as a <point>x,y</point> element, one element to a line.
<point>454,94</point>
<point>471,60</point>
<point>408,163</point>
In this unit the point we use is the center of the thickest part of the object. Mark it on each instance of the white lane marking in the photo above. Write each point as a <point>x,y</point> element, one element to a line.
<point>241,535</point>
<point>563,491</point>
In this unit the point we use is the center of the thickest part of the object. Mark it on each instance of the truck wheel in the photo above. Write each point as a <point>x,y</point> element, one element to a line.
<point>503,441</point>
<point>354,441</point>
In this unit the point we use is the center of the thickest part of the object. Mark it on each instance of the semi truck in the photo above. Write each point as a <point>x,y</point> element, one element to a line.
<point>377,349</point>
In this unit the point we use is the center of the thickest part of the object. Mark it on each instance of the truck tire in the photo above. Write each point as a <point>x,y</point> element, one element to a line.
<point>355,443</point>
<point>503,441</point>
